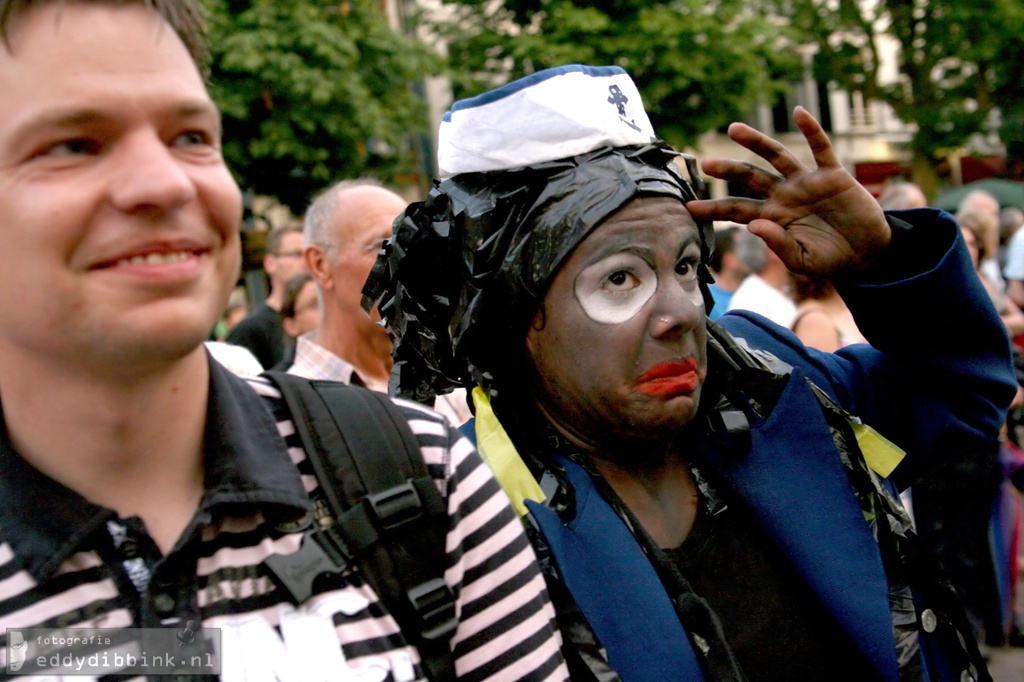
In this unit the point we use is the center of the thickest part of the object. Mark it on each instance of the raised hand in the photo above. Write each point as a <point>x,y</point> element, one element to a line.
<point>818,220</point>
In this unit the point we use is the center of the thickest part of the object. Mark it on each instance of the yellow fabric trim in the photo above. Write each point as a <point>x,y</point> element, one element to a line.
<point>881,454</point>
<point>497,450</point>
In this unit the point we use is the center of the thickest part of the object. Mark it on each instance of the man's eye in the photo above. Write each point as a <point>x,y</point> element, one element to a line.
<point>192,137</point>
<point>73,147</point>
<point>375,246</point>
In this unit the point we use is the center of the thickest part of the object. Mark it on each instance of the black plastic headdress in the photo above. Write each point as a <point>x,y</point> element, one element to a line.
<point>467,267</point>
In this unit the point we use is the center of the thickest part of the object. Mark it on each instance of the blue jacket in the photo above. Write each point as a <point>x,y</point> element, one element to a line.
<point>938,374</point>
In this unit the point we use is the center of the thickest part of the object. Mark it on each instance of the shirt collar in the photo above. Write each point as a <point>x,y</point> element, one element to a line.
<point>313,361</point>
<point>246,461</point>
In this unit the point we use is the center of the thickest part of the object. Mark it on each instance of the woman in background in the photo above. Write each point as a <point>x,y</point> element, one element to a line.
<point>822,319</point>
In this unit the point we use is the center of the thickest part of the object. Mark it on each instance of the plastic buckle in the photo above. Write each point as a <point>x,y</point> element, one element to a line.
<point>435,606</point>
<point>298,571</point>
<point>396,506</point>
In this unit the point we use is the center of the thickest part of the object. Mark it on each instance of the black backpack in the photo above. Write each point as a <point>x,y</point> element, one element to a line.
<point>389,520</point>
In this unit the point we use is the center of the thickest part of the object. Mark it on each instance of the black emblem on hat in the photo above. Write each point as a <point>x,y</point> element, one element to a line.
<point>620,100</point>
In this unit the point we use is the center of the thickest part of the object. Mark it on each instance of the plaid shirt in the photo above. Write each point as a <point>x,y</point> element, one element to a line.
<point>313,361</point>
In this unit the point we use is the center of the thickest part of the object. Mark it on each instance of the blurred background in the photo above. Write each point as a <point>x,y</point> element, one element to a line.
<point>313,92</point>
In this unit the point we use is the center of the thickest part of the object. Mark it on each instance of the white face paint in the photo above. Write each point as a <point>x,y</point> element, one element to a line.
<point>614,289</point>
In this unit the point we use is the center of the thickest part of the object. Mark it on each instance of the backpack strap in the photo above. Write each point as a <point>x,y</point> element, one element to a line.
<point>389,519</point>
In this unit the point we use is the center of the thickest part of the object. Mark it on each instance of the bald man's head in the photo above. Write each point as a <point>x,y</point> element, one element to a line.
<point>345,228</point>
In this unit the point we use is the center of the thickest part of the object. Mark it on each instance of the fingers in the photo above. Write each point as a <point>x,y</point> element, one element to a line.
<point>817,139</point>
<point>734,209</point>
<point>758,180</point>
<point>746,211</point>
<point>774,236</point>
<point>797,256</point>
<point>777,154</point>
<point>769,149</point>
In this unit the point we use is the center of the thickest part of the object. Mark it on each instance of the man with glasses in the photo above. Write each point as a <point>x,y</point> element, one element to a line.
<point>262,331</point>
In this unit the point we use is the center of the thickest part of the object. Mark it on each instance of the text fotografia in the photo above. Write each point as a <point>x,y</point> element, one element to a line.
<point>188,650</point>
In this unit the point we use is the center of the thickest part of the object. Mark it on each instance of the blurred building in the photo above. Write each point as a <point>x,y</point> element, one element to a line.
<point>870,140</point>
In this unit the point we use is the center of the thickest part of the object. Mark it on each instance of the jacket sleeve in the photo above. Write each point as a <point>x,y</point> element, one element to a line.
<point>937,377</point>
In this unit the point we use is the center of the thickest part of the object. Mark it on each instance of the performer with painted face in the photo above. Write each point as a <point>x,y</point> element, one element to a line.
<point>709,501</point>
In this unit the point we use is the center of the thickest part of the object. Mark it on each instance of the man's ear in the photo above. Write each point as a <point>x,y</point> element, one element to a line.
<point>269,264</point>
<point>535,326</point>
<point>319,267</point>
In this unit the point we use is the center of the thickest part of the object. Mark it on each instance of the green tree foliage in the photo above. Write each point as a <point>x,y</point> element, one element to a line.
<point>1009,96</point>
<point>950,53</point>
<point>699,64</point>
<point>313,92</point>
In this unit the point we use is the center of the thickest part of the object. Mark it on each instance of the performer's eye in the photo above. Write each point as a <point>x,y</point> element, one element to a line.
<point>621,280</point>
<point>615,288</point>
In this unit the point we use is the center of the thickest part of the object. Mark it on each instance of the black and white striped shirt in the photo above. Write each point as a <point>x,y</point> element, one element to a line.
<point>65,562</point>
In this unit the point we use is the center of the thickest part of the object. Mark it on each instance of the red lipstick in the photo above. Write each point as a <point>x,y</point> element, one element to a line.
<point>669,378</point>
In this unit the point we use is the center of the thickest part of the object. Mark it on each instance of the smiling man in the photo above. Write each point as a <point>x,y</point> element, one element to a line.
<point>706,502</point>
<point>141,484</point>
<point>124,220</point>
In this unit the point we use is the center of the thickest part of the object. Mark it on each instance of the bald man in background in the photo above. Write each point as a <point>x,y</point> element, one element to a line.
<point>343,231</point>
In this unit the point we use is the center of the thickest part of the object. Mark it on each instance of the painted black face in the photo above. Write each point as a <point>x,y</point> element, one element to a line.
<point>620,351</point>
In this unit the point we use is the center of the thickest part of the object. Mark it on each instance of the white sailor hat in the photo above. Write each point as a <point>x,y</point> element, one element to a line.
<point>553,114</point>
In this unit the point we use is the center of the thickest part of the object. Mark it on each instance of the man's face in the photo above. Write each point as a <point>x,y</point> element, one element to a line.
<point>118,216</point>
<point>619,347</point>
<point>362,223</point>
<point>288,261</point>
<point>733,265</point>
<point>307,311</point>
